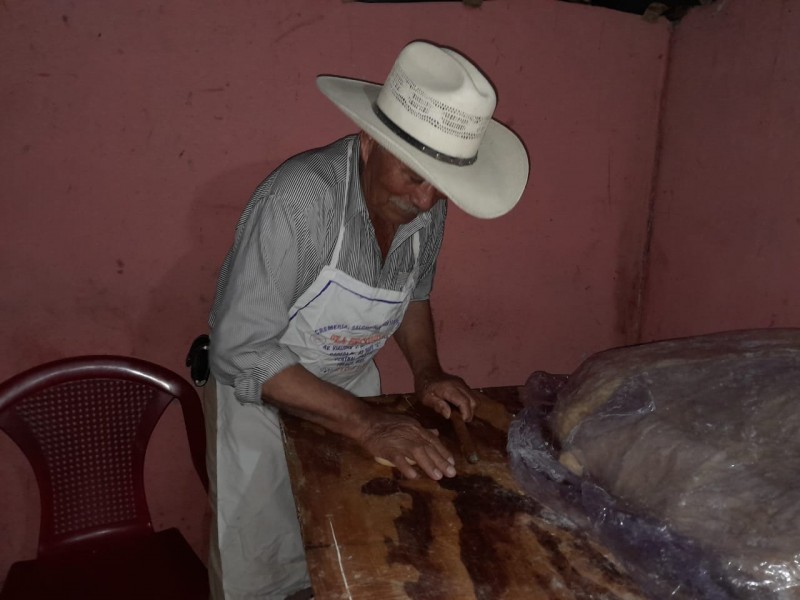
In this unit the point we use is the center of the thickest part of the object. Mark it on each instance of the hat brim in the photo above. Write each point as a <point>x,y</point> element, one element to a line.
<point>488,188</point>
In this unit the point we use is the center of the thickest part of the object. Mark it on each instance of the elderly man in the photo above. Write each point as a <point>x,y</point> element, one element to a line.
<point>334,254</point>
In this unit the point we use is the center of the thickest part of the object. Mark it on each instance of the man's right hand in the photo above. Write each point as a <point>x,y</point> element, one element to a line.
<point>397,437</point>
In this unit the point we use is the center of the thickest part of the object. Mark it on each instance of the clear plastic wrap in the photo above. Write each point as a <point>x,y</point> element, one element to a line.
<point>685,460</point>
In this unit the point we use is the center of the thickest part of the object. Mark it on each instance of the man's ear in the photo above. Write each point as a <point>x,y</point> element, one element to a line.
<point>367,144</point>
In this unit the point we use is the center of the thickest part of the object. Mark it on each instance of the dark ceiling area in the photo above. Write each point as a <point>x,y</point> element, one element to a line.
<point>671,9</point>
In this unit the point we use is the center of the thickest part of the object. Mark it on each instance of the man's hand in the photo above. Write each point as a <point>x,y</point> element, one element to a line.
<point>434,388</point>
<point>444,391</point>
<point>395,437</point>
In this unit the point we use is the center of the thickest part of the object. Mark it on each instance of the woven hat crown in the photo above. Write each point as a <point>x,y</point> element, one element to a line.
<point>437,101</point>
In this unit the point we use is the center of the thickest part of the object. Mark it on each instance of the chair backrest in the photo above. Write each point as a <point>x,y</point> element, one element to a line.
<point>84,424</point>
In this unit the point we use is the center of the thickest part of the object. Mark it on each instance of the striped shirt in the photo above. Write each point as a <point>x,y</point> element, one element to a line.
<point>284,238</point>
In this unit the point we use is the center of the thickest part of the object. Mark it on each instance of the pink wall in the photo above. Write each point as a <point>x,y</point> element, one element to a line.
<point>134,132</point>
<point>726,243</point>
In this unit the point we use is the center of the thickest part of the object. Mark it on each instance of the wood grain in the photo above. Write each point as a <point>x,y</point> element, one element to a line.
<point>371,534</point>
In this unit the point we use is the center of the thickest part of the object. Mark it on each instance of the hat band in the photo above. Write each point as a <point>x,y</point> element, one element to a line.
<point>433,153</point>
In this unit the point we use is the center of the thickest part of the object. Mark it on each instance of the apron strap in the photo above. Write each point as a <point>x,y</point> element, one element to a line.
<point>337,248</point>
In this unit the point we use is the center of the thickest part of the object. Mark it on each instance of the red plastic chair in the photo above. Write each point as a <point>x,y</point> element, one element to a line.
<point>83,424</point>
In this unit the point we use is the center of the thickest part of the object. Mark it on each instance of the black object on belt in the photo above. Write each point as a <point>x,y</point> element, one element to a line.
<point>197,360</point>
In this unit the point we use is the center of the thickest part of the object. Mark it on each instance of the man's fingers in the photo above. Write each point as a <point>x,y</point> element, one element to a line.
<point>451,392</point>
<point>468,406</point>
<point>401,442</point>
<point>468,410</point>
<point>434,465</point>
<point>435,461</point>
<point>443,408</point>
<point>404,465</point>
<point>461,398</point>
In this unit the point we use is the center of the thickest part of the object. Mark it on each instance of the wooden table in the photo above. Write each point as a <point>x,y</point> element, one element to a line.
<point>371,535</point>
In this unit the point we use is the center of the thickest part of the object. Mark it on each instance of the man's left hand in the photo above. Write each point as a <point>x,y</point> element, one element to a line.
<point>444,391</point>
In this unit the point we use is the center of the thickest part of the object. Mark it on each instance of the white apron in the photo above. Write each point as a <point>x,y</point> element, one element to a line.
<point>336,327</point>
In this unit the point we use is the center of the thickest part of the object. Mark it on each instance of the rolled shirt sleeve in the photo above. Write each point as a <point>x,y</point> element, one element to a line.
<point>253,312</point>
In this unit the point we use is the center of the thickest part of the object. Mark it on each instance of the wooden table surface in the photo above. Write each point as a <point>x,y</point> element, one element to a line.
<point>370,534</point>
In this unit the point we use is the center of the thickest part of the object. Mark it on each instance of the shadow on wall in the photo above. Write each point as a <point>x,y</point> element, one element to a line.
<point>179,303</point>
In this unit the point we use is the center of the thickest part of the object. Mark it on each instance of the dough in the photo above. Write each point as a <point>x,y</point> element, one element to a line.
<point>388,463</point>
<point>702,434</point>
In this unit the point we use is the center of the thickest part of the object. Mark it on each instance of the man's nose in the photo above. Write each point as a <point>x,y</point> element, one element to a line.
<point>425,196</point>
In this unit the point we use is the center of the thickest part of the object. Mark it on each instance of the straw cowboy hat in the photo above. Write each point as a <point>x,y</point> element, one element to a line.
<point>434,113</point>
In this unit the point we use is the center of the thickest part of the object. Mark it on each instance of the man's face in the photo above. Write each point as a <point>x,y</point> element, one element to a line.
<point>394,193</point>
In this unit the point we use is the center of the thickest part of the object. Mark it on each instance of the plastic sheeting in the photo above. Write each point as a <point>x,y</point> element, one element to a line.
<point>685,460</point>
